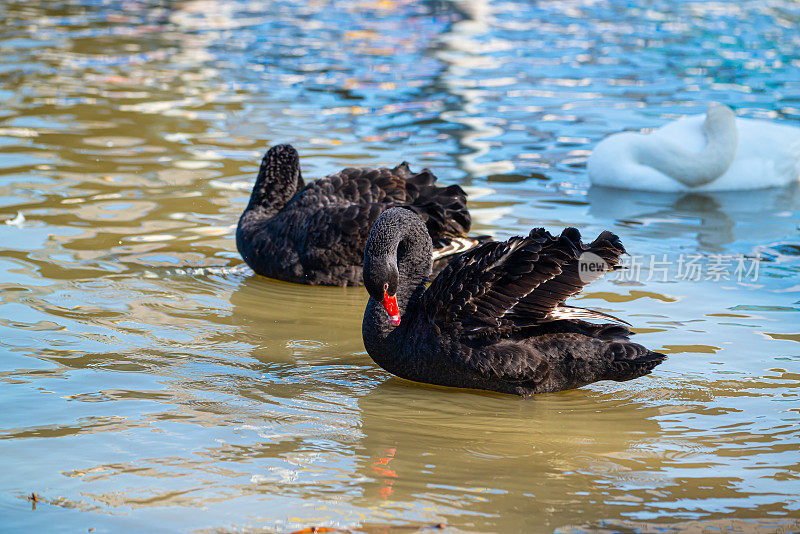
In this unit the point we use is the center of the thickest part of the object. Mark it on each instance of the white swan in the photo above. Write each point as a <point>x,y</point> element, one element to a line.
<point>715,152</point>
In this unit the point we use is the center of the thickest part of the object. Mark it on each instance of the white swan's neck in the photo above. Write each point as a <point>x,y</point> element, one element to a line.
<point>694,169</point>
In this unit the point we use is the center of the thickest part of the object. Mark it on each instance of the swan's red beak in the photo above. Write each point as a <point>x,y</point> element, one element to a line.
<point>390,305</point>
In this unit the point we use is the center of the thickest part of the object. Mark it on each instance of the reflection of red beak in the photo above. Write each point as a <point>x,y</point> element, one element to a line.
<point>390,305</point>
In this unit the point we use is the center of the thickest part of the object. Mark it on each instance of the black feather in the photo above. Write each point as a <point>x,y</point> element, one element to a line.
<point>315,233</point>
<point>485,321</point>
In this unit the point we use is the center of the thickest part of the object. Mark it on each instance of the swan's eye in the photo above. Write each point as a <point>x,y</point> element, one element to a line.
<point>385,286</point>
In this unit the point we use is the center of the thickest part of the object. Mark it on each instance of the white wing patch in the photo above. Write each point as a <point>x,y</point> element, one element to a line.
<point>573,312</point>
<point>457,245</point>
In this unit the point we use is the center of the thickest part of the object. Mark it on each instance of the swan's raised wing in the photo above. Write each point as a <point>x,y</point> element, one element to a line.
<point>500,286</point>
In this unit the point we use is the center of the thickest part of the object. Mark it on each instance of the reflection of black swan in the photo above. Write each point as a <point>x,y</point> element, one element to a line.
<point>494,318</point>
<point>453,449</point>
<point>315,233</point>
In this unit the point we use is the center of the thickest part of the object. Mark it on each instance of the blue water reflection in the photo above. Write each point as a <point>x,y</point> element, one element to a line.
<point>151,383</point>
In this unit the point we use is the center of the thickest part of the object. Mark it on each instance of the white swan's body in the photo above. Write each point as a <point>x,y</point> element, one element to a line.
<point>713,152</point>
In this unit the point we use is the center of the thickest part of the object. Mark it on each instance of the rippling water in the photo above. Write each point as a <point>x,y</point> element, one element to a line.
<point>150,383</point>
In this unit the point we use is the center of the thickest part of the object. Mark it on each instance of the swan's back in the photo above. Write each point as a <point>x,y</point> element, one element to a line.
<point>768,156</point>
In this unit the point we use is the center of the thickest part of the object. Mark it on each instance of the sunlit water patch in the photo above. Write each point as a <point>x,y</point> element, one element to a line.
<point>153,383</point>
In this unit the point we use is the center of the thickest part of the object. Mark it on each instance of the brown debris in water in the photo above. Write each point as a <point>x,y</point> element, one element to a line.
<point>33,499</point>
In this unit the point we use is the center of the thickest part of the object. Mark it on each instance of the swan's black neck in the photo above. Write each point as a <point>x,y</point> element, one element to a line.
<point>278,180</point>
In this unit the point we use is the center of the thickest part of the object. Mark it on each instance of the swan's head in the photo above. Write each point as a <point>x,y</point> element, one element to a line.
<point>381,274</point>
<point>381,280</point>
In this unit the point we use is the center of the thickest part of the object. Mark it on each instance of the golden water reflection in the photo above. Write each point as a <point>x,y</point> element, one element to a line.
<point>150,381</point>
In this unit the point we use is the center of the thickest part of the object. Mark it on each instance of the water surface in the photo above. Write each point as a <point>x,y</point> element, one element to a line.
<point>150,383</point>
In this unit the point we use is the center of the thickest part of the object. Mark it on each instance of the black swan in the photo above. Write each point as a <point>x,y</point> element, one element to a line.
<point>494,318</point>
<point>315,233</point>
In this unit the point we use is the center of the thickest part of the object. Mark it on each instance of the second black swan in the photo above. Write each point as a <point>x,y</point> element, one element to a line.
<point>315,233</point>
<point>495,317</point>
